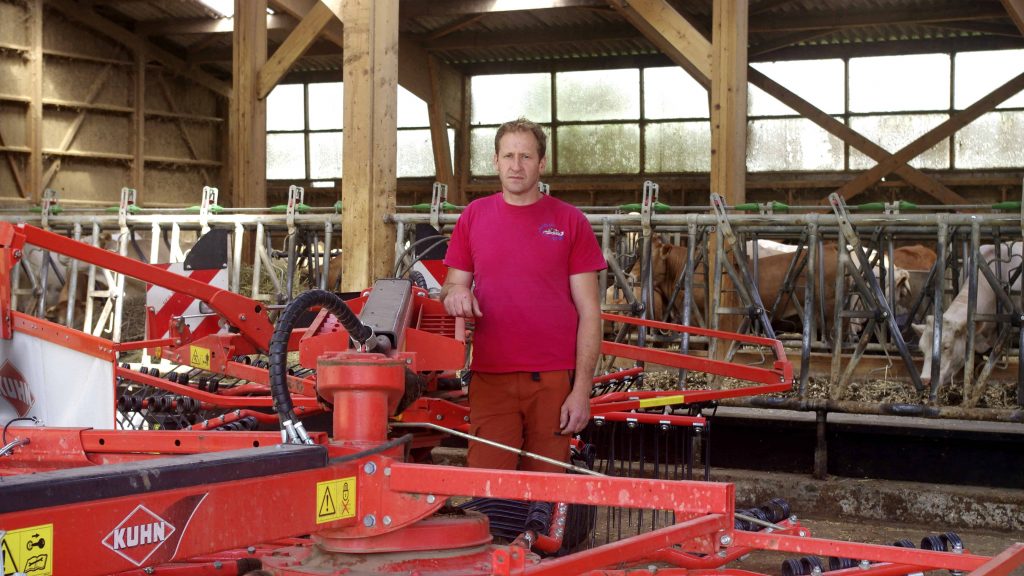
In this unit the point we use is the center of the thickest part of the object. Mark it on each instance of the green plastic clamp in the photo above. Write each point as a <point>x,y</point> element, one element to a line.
<point>636,207</point>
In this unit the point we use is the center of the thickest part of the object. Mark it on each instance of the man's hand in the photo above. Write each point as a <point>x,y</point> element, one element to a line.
<point>460,301</point>
<point>575,411</point>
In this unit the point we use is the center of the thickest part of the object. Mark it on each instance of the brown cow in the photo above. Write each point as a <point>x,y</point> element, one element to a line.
<point>668,261</point>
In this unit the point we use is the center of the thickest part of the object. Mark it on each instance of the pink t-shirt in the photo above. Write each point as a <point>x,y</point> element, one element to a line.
<point>521,258</point>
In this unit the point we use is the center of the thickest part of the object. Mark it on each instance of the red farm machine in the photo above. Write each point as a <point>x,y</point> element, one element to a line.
<point>351,396</point>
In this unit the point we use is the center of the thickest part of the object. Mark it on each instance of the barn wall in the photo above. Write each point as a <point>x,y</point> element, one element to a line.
<point>88,127</point>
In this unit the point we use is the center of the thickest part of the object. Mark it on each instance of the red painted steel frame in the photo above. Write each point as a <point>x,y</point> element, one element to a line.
<point>781,373</point>
<point>248,316</point>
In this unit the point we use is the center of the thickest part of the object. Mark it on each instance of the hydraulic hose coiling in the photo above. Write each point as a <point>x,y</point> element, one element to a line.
<point>291,427</point>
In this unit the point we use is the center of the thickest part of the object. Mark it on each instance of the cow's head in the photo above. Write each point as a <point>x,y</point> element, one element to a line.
<point>951,350</point>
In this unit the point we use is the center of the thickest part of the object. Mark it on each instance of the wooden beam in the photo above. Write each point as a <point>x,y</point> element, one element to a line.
<point>413,69</point>
<point>248,115</point>
<point>913,176</point>
<point>769,46</point>
<point>1015,8</point>
<point>932,137</point>
<point>139,124</point>
<point>439,132</point>
<point>85,15</point>
<point>34,118</point>
<point>172,27</point>
<point>301,38</point>
<point>455,26</point>
<point>369,185</point>
<point>847,19</point>
<point>664,27</point>
<point>418,8</point>
<point>729,100</point>
<point>535,37</point>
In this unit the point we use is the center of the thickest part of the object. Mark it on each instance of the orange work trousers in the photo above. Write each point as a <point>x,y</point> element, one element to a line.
<point>521,410</point>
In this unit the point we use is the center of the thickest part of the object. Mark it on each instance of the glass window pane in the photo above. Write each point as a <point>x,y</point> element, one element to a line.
<point>893,132</point>
<point>286,157</point>
<point>500,98</point>
<point>678,147</point>
<point>894,83</point>
<point>991,141</point>
<point>599,149</point>
<point>415,154</point>
<point>326,106</point>
<point>481,151</point>
<point>791,144</point>
<point>672,93</point>
<point>285,110</point>
<point>978,73</point>
<point>325,154</point>
<point>760,103</point>
<point>412,112</point>
<point>820,82</point>
<point>598,94</point>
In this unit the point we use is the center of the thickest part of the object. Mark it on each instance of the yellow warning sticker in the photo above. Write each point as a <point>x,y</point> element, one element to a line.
<point>662,401</point>
<point>199,357</point>
<point>29,551</point>
<point>335,499</point>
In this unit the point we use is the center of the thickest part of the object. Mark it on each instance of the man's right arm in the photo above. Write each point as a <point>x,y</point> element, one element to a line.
<point>457,294</point>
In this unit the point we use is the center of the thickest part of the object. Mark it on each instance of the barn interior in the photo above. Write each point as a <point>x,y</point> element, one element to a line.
<point>841,178</point>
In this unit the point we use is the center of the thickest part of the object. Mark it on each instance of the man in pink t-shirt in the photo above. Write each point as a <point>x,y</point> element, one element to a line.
<point>524,266</point>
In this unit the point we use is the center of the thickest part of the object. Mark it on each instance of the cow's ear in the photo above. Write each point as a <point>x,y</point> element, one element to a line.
<point>918,328</point>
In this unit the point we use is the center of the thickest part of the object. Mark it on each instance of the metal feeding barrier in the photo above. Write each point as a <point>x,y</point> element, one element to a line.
<point>292,425</point>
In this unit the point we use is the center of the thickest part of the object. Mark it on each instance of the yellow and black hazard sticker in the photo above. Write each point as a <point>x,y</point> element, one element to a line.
<point>199,357</point>
<point>335,499</point>
<point>29,551</point>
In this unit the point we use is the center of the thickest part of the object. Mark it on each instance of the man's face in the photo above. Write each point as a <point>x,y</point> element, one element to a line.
<point>518,163</point>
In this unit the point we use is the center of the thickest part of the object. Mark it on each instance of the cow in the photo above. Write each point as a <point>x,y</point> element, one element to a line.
<point>668,261</point>
<point>910,266</point>
<point>953,346</point>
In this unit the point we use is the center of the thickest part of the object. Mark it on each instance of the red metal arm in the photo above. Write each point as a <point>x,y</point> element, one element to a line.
<point>249,316</point>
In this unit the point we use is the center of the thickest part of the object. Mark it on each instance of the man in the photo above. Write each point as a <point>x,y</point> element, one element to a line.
<point>524,266</point>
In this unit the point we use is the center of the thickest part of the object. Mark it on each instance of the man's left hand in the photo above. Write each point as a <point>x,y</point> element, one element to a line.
<point>575,412</point>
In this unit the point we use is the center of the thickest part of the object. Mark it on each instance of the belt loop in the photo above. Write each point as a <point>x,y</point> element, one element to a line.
<point>535,376</point>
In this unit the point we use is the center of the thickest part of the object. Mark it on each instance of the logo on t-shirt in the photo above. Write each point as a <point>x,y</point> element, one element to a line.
<point>550,231</point>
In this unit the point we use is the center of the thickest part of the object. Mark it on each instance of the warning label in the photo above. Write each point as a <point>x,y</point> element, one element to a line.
<point>29,551</point>
<point>199,357</point>
<point>335,499</point>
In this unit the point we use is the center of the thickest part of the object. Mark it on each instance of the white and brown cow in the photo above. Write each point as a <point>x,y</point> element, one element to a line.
<point>953,346</point>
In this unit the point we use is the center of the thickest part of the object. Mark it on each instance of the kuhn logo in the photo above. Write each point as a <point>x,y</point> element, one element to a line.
<point>15,390</point>
<point>139,535</point>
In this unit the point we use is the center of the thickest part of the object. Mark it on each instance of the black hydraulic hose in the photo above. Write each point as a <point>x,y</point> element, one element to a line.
<point>278,352</point>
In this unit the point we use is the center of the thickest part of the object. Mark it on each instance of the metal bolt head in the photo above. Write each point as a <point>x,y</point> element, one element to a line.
<point>369,468</point>
<point>217,564</point>
<point>439,417</point>
<point>431,498</point>
<point>725,539</point>
<point>386,520</point>
<point>242,317</point>
<point>387,470</point>
<point>369,520</point>
<point>251,550</point>
<point>815,571</point>
<point>802,533</point>
<point>864,565</point>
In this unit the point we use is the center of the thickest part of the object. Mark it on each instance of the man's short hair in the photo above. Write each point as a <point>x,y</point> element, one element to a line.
<point>523,125</point>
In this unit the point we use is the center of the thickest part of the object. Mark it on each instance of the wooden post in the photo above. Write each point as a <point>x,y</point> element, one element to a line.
<point>248,116</point>
<point>139,118</point>
<point>371,99</point>
<point>729,120</point>
<point>34,121</point>
<point>729,100</point>
<point>439,131</point>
